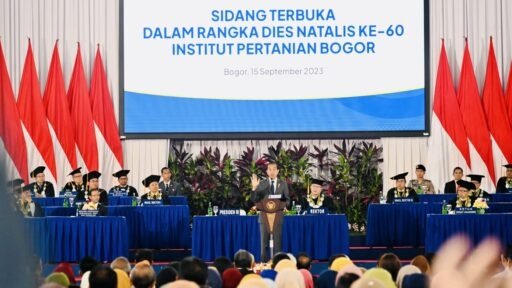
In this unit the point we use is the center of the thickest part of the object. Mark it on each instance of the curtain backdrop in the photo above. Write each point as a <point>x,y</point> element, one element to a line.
<point>93,22</point>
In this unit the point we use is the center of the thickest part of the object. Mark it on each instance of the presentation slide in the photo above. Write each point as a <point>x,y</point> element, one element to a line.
<point>214,68</point>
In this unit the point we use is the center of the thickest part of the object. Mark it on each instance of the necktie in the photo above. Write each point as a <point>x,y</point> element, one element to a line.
<point>166,187</point>
<point>272,187</point>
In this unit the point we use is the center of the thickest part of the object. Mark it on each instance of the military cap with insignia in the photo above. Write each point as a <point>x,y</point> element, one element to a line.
<point>150,179</point>
<point>121,173</point>
<point>36,171</point>
<point>421,167</point>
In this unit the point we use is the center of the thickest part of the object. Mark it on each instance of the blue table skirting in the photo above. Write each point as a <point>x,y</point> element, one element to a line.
<point>319,235</point>
<point>112,201</point>
<point>405,224</point>
<point>154,227</point>
<point>69,239</point>
<point>438,198</point>
<point>398,224</point>
<point>476,227</point>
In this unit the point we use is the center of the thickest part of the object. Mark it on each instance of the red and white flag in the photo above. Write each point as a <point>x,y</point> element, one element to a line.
<point>11,132</point>
<point>473,116</point>
<point>509,94</point>
<point>81,115</point>
<point>61,126</point>
<point>107,133</point>
<point>33,116</point>
<point>448,144</point>
<point>496,112</point>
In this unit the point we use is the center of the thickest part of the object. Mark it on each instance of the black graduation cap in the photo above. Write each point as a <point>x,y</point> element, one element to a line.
<point>508,166</point>
<point>25,188</point>
<point>399,176</point>
<point>475,177</point>
<point>421,167</point>
<point>15,182</point>
<point>317,181</point>
<point>36,171</point>
<point>150,179</point>
<point>121,173</point>
<point>76,171</point>
<point>466,184</point>
<point>91,175</point>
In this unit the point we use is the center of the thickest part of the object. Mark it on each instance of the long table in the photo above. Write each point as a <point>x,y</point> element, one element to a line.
<point>319,235</point>
<point>438,198</point>
<point>69,239</point>
<point>155,227</point>
<point>112,201</point>
<point>405,224</point>
<point>476,227</point>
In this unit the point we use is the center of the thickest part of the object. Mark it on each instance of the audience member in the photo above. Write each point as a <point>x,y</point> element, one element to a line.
<point>143,275</point>
<point>194,269</point>
<point>58,278</point>
<point>404,271</point>
<point>222,263</point>
<point>340,263</point>
<point>244,261</point>
<point>346,280</point>
<point>121,263</point>
<point>144,254</point>
<point>231,278</point>
<point>86,264</point>
<point>66,269</point>
<point>166,275</point>
<point>303,261</point>
<point>353,269</point>
<point>181,284</point>
<point>391,263</point>
<point>102,277</point>
<point>278,257</point>
<point>289,278</point>
<point>285,264</point>
<point>417,280</point>
<point>308,278</point>
<point>422,263</point>
<point>123,281</point>
<point>214,279</point>
<point>382,275</point>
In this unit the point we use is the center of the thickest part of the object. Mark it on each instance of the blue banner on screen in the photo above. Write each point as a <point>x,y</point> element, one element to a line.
<point>214,67</point>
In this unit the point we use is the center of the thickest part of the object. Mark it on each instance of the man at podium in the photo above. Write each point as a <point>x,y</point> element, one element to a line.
<point>269,187</point>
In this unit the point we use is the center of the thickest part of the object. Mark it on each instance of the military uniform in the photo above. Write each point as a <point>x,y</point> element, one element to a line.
<point>426,186</point>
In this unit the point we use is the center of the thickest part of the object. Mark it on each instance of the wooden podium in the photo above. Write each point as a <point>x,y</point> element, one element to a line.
<point>271,213</point>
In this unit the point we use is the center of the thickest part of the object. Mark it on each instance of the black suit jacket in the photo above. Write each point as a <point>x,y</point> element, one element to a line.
<point>38,211</point>
<point>49,191</point>
<point>501,187</point>
<point>174,189</point>
<point>262,191</point>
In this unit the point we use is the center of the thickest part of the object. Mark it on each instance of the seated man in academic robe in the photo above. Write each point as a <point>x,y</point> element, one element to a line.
<point>92,181</point>
<point>316,198</point>
<point>40,187</point>
<point>94,203</point>
<point>151,182</point>
<point>463,199</point>
<point>26,206</point>
<point>400,191</point>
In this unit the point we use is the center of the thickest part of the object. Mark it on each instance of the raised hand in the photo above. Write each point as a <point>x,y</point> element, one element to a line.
<point>255,181</point>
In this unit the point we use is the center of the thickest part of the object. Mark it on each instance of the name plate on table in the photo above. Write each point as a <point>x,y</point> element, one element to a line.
<point>403,200</point>
<point>465,210</point>
<point>152,202</point>
<point>229,212</point>
<point>88,213</point>
<point>317,211</point>
<point>120,192</point>
<point>274,196</point>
